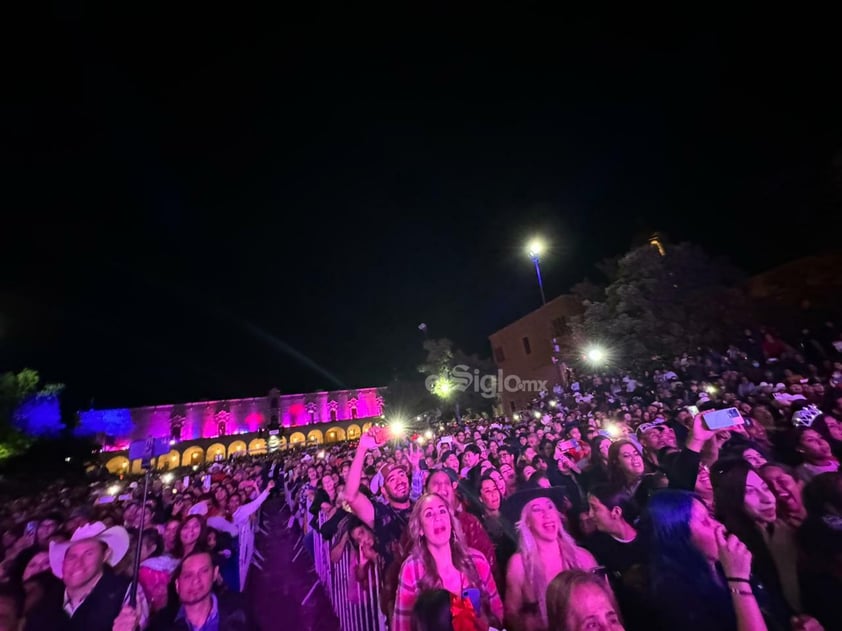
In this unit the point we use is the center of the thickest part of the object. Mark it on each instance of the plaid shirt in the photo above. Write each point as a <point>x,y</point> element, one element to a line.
<point>408,590</point>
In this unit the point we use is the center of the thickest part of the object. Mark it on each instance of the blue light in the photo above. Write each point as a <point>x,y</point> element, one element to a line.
<point>39,415</point>
<point>116,423</point>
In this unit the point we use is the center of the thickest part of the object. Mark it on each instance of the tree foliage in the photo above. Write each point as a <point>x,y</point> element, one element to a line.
<point>662,306</point>
<point>20,394</point>
<point>442,358</point>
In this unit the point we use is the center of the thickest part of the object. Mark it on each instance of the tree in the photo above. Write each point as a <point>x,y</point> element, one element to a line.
<point>26,410</point>
<point>456,377</point>
<point>662,306</point>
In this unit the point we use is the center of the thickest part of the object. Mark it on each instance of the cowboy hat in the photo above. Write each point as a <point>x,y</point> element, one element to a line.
<point>116,538</point>
<point>513,506</point>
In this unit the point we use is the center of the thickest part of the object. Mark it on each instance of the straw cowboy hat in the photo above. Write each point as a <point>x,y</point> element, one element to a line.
<point>116,538</point>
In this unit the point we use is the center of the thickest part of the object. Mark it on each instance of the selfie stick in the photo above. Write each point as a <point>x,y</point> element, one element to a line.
<point>136,573</point>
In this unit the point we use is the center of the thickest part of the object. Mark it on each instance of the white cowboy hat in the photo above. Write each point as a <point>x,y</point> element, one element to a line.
<point>116,538</point>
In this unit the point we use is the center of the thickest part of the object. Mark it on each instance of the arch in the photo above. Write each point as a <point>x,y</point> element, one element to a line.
<point>315,436</point>
<point>353,432</point>
<point>172,459</point>
<point>366,427</point>
<point>215,452</point>
<point>193,456</point>
<point>137,467</point>
<point>334,435</point>
<point>258,446</point>
<point>296,437</point>
<point>117,465</point>
<point>237,447</point>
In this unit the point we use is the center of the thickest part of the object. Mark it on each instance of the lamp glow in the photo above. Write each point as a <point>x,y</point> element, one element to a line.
<point>553,403</point>
<point>428,434</point>
<point>167,478</point>
<point>516,416</point>
<point>321,454</point>
<point>596,355</point>
<point>711,389</point>
<point>114,489</point>
<point>397,427</point>
<point>535,248</point>
<point>536,414</point>
<point>613,430</point>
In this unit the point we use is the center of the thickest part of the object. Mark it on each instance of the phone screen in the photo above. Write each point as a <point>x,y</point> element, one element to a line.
<point>722,419</point>
<point>694,410</point>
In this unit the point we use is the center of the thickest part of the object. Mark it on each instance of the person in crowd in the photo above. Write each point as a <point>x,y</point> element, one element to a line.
<point>615,543</point>
<point>388,519</point>
<point>192,535</point>
<point>94,599</point>
<point>582,601</point>
<point>473,534</point>
<point>788,491</point>
<point>200,608</point>
<point>11,609</point>
<point>596,471</point>
<point>820,538</point>
<point>816,454</point>
<point>698,577</point>
<point>748,509</point>
<point>625,465</point>
<point>544,550</point>
<point>156,569</point>
<point>439,558</point>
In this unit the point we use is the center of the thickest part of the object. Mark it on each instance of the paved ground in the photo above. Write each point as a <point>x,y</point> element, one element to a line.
<point>277,592</point>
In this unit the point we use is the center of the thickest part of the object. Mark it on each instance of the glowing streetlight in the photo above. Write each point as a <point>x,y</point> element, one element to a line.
<point>596,355</point>
<point>535,248</point>
<point>428,434</point>
<point>397,428</point>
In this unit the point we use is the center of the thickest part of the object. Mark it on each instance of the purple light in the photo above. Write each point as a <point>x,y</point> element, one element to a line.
<point>39,416</point>
<point>116,423</point>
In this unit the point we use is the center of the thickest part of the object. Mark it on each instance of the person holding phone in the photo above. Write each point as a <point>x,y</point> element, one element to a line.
<point>439,559</point>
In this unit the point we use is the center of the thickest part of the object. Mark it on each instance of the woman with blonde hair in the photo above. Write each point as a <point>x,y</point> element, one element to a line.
<point>578,600</point>
<point>439,559</point>
<point>545,549</point>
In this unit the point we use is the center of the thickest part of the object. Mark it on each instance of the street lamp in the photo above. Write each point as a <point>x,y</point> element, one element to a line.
<point>596,355</point>
<point>535,248</point>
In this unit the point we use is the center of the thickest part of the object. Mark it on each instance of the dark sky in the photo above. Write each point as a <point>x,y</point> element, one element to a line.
<point>205,205</point>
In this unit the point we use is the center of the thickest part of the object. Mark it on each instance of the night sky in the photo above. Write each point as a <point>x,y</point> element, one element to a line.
<point>201,206</point>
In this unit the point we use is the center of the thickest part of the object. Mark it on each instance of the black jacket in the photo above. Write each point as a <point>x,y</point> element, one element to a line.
<point>97,613</point>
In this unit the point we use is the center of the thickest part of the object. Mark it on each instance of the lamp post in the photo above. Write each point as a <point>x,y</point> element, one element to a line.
<point>535,248</point>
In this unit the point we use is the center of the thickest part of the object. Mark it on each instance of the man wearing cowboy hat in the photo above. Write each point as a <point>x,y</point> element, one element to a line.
<point>94,599</point>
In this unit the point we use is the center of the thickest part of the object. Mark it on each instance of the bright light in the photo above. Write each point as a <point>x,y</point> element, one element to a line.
<point>167,478</point>
<point>536,414</point>
<point>397,428</point>
<point>595,355</point>
<point>553,403</point>
<point>535,248</point>
<point>114,489</point>
<point>443,387</point>
<point>428,434</point>
<point>195,467</point>
<point>516,416</point>
<point>613,430</point>
<point>172,441</point>
<point>67,459</point>
<point>420,440</point>
<point>417,418</point>
<point>711,389</point>
<point>321,454</point>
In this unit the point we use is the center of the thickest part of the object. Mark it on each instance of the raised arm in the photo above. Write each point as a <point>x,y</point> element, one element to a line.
<point>360,504</point>
<point>247,510</point>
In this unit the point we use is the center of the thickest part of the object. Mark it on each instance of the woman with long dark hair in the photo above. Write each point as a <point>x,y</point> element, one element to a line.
<point>748,509</point>
<point>192,536</point>
<point>439,559</point>
<point>625,465</point>
<point>698,577</point>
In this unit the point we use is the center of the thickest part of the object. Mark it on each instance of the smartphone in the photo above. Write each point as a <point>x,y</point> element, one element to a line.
<point>722,419</point>
<point>31,527</point>
<point>693,409</point>
<point>568,445</point>
<point>472,594</point>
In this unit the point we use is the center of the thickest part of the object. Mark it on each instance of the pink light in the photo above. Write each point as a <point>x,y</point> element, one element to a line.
<point>254,421</point>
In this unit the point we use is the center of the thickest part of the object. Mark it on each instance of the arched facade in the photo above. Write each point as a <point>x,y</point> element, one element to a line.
<point>258,446</point>
<point>117,465</point>
<point>315,437</point>
<point>215,452</point>
<point>366,427</point>
<point>296,438</point>
<point>334,435</point>
<point>238,447</point>
<point>193,456</point>
<point>353,432</point>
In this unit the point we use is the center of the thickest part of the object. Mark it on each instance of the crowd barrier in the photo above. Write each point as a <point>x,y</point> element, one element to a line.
<point>246,543</point>
<point>356,605</point>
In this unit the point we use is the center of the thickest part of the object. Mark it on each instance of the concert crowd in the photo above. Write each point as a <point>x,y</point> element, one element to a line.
<point>620,501</point>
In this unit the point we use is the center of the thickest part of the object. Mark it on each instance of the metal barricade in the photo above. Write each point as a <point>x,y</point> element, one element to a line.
<point>246,543</point>
<point>356,605</point>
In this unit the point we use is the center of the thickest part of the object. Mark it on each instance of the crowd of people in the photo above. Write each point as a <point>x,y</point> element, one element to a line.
<point>68,554</point>
<point>609,503</point>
